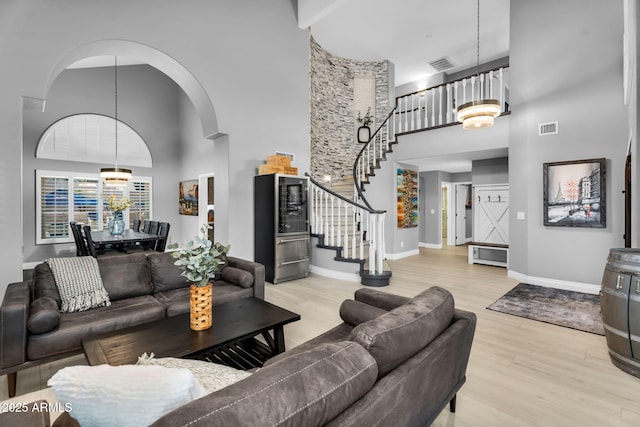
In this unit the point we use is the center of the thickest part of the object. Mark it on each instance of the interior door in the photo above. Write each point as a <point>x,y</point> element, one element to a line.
<point>461,214</point>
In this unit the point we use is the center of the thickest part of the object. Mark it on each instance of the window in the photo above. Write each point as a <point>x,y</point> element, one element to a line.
<point>55,209</point>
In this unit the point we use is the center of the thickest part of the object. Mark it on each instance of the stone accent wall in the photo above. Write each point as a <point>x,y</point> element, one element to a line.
<point>333,138</point>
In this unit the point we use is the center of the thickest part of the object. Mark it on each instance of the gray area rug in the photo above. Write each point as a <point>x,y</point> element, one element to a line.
<point>570,309</point>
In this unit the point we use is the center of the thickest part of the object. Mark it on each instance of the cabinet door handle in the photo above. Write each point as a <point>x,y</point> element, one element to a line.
<point>300,239</point>
<point>618,280</point>
<point>294,262</point>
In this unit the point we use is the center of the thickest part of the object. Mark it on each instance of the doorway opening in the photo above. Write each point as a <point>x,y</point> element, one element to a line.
<point>457,219</point>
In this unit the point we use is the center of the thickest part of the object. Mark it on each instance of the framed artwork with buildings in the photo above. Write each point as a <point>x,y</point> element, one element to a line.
<point>575,193</point>
<point>188,197</point>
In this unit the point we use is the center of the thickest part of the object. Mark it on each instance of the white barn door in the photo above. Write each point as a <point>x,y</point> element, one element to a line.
<point>491,214</point>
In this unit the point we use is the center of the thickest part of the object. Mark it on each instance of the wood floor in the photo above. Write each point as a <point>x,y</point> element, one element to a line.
<point>521,372</point>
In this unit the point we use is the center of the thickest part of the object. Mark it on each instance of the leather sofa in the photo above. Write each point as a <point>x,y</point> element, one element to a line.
<point>141,287</point>
<point>394,361</point>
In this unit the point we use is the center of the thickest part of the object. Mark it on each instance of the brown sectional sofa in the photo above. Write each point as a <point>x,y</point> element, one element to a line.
<point>394,361</point>
<point>141,287</point>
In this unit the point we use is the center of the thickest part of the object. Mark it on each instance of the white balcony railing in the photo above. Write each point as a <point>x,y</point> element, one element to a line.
<point>436,106</point>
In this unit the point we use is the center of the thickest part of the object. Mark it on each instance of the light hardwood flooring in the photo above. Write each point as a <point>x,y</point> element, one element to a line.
<point>521,372</point>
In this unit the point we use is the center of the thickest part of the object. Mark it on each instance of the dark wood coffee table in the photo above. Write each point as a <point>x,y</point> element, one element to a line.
<point>230,341</point>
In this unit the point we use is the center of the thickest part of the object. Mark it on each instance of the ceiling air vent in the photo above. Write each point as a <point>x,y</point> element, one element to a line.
<point>550,128</point>
<point>441,64</point>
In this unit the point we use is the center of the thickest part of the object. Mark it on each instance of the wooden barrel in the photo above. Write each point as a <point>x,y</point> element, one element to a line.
<point>620,308</point>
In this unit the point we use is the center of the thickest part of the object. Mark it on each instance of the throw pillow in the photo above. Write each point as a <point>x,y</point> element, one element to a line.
<point>44,315</point>
<point>236,276</point>
<point>79,283</point>
<point>126,395</point>
<point>396,336</point>
<point>356,312</point>
<point>212,376</point>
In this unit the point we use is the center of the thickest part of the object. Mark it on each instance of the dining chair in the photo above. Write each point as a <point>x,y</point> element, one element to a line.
<point>163,233</point>
<point>146,226</point>
<point>136,225</point>
<point>81,246</point>
<point>90,245</point>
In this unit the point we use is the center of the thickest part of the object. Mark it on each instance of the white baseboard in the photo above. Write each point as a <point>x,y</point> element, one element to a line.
<point>400,255</point>
<point>555,283</point>
<point>340,275</point>
<point>430,245</point>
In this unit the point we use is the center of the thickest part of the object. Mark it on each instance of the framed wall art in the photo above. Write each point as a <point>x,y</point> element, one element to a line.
<point>575,193</point>
<point>188,197</point>
<point>407,189</point>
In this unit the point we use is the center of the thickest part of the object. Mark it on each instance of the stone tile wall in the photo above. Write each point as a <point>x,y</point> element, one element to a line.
<point>333,138</point>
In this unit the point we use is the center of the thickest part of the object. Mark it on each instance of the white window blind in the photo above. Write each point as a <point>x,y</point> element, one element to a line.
<point>140,194</point>
<point>55,209</point>
<point>53,197</point>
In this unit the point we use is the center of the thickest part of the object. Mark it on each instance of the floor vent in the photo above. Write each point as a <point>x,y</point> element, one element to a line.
<point>441,64</point>
<point>550,128</point>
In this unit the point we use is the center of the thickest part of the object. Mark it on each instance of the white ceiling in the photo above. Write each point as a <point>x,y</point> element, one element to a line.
<point>413,33</point>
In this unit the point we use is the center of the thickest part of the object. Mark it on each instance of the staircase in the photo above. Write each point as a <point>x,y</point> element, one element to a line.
<point>342,219</point>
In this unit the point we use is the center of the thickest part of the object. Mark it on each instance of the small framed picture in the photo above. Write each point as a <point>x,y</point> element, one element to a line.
<point>575,193</point>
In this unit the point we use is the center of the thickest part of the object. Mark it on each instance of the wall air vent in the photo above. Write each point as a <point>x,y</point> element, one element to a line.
<point>550,128</point>
<point>441,64</point>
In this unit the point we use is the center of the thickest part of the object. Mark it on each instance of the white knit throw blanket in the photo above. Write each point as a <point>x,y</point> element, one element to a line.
<point>79,283</point>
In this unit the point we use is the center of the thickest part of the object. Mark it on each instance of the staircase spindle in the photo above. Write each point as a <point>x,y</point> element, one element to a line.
<point>433,108</point>
<point>406,113</point>
<point>502,103</point>
<point>448,120</point>
<point>413,124</point>
<point>440,105</point>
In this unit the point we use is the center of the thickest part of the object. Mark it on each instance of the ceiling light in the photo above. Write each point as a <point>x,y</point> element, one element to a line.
<point>479,113</point>
<point>115,176</point>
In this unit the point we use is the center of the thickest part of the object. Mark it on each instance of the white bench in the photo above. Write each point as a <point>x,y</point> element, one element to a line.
<point>489,254</point>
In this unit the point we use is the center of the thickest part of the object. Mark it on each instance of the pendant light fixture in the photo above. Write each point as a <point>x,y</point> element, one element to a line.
<point>479,113</point>
<point>115,176</point>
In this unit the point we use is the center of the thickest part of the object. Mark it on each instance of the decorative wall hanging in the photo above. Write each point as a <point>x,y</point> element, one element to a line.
<point>188,197</point>
<point>364,106</point>
<point>575,193</point>
<point>407,198</point>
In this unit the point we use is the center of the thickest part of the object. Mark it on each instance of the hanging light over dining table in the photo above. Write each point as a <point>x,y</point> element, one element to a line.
<point>115,176</point>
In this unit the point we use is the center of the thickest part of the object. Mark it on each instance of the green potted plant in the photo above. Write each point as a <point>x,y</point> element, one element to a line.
<point>200,259</point>
<point>364,131</point>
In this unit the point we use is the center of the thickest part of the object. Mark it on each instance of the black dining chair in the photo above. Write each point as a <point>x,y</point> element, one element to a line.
<point>136,225</point>
<point>150,227</point>
<point>81,246</point>
<point>163,233</point>
<point>93,251</point>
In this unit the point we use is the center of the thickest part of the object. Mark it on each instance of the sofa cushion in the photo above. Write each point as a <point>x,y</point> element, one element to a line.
<point>236,276</point>
<point>399,334</point>
<point>176,301</point>
<point>125,276</point>
<point>165,275</point>
<point>74,327</point>
<point>308,389</point>
<point>356,312</point>
<point>44,284</point>
<point>44,315</point>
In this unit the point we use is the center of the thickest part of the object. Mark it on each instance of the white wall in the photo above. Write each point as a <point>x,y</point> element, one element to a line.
<point>249,57</point>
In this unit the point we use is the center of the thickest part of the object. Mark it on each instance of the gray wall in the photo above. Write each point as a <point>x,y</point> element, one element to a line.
<point>250,59</point>
<point>490,171</point>
<point>147,101</point>
<point>570,72</point>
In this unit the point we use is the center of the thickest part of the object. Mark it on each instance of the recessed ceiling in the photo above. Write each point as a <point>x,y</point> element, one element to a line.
<point>413,33</point>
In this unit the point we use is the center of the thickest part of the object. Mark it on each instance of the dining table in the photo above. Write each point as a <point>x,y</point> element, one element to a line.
<point>121,241</point>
